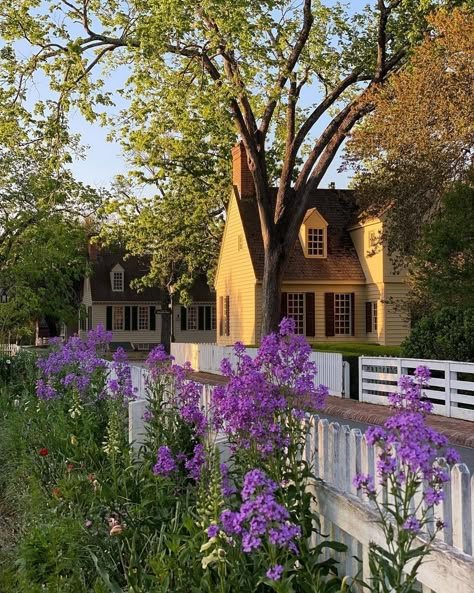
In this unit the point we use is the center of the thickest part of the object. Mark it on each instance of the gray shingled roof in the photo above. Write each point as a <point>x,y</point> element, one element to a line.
<point>342,262</point>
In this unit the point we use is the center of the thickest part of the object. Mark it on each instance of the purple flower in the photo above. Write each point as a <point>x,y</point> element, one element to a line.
<point>364,482</point>
<point>165,463</point>
<point>274,573</point>
<point>194,465</point>
<point>412,524</point>
<point>212,530</point>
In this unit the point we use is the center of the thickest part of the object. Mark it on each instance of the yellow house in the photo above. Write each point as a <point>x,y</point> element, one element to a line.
<point>339,284</point>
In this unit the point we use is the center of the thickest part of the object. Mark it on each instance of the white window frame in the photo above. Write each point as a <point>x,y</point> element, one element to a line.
<point>115,325</point>
<point>143,318</point>
<point>117,281</point>
<point>342,314</point>
<point>374,316</point>
<point>316,241</point>
<point>296,310</point>
<point>192,318</point>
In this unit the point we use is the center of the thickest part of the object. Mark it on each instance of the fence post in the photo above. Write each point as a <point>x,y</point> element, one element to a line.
<point>361,389</point>
<point>355,440</point>
<point>447,389</point>
<point>461,504</point>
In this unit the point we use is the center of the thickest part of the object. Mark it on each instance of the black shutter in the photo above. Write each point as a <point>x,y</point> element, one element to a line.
<point>89,317</point>
<point>368,317</point>
<point>310,314</point>
<point>353,313</point>
<point>227,316</point>
<point>127,318</point>
<point>200,318</point>
<point>184,318</point>
<point>134,319</point>
<point>208,323</point>
<point>329,313</point>
<point>152,318</point>
<point>284,305</point>
<point>108,323</point>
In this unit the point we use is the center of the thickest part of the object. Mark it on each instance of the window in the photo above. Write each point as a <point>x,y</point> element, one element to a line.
<point>373,239</point>
<point>342,315</point>
<point>143,318</point>
<point>201,317</point>
<point>295,310</point>
<point>374,316</point>
<point>117,281</point>
<point>316,242</point>
<point>118,318</point>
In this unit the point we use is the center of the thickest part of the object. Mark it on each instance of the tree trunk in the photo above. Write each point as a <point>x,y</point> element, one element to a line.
<point>276,257</point>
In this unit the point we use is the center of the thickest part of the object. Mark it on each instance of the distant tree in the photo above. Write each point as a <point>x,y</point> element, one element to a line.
<point>275,69</point>
<point>419,140</point>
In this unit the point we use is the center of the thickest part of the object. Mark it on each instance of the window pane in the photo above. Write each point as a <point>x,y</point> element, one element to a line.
<point>342,314</point>
<point>117,283</point>
<point>296,310</point>
<point>374,316</point>
<point>118,318</point>
<point>192,317</point>
<point>316,242</point>
<point>213,317</point>
<point>143,317</point>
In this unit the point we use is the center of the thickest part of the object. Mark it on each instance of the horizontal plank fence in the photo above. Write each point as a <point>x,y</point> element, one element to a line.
<point>207,358</point>
<point>336,453</point>
<point>451,387</point>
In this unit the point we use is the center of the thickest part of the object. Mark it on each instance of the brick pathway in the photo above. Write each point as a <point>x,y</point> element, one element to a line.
<point>459,432</point>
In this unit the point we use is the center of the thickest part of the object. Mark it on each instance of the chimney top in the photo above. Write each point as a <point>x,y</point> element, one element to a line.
<point>241,175</point>
<point>92,250</point>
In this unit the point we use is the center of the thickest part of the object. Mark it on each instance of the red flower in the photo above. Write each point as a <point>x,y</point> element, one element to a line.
<point>56,492</point>
<point>43,452</point>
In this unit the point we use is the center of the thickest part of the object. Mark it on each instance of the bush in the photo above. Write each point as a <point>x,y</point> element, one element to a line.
<point>446,334</point>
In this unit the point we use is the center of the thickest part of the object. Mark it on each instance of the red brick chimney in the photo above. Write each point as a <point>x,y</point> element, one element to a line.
<point>241,176</point>
<point>93,250</point>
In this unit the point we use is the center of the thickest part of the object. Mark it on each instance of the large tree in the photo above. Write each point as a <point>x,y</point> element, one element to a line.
<point>419,141</point>
<point>295,76</point>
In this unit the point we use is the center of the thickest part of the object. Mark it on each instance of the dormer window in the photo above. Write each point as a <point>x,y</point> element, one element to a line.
<point>117,282</point>
<point>315,242</point>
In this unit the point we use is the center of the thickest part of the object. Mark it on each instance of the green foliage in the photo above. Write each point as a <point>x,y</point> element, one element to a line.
<point>357,349</point>
<point>444,334</point>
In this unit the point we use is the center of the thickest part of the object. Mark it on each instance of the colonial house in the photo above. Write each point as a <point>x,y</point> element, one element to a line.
<point>108,298</point>
<point>339,284</point>
<point>140,320</point>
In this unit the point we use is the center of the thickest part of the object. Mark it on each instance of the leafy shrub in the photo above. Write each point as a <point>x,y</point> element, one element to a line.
<point>446,334</point>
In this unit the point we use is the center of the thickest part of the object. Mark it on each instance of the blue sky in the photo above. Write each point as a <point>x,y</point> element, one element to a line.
<point>104,159</point>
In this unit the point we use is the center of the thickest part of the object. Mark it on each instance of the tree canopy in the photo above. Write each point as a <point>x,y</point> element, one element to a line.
<point>419,140</point>
<point>291,78</point>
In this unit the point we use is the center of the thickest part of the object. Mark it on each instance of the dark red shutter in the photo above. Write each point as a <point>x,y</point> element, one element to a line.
<point>134,319</point>
<point>310,314</point>
<point>284,305</point>
<point>127,318</point>
<point>227,316</point>
<point>152,318</point>
<point>368,317</point>
<point>329,313</point>
<point>200,318</point>
<point>353,313</point>
<point>221,316</point>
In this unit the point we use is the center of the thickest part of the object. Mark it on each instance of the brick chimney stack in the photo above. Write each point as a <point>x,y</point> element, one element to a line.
<point>93,250</point>
<point>241,176</point>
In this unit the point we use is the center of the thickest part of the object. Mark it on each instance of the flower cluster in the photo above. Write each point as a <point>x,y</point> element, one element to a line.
<point>168,464</point>
<point>73,365</point>
<point>260,516</point>
<point>409,448</point>
<point>261,391</point>
<point>120,387</point>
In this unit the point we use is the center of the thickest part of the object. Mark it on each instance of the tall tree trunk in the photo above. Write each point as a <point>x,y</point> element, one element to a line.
<point>276,258</point>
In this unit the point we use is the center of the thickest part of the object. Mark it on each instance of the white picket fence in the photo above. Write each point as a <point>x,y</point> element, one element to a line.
<point>451,387</point>
<point>207,358</point>
<point>9,349</point>
<point>336,454</point>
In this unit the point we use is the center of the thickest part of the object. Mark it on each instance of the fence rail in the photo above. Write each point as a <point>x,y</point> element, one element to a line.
<point>9,349</point>
<point>337,453</point>
<point>451,387</point>
<point>208,357</point>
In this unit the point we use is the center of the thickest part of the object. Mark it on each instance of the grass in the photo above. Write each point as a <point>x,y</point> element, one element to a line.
<point>357,349</point>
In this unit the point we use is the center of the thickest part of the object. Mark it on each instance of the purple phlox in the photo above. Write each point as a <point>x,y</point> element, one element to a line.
<point>165,462</point>
<point>195,464</point>
<point>274,573</point>
<point>120,387</point>
<point>411,524</point>
<point>213,530</point>
<point>159,362</point>
<point>364,482</point>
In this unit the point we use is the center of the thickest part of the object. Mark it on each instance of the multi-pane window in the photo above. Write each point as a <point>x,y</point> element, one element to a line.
<point>143,318</point>
<point>316,242</point>
<point>342,315</point>
<point>117,281</point>
<point>373,239</point>
<point>118,318</point>
<point>295,310</point>
<point>374,316</point>
<point>192,317</point>
<point>201,317</point>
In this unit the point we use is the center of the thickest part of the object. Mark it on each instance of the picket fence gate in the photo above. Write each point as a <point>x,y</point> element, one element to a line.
<point>336,454</point>
<point>207,358</point>
<point>451,387</point>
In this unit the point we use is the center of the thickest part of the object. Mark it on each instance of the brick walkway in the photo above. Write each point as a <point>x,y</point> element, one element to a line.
<point>459,432</point>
